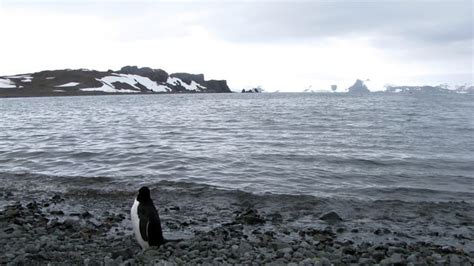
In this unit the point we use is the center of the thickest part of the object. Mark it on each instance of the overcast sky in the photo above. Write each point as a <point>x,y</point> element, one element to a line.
<point>279,45</point>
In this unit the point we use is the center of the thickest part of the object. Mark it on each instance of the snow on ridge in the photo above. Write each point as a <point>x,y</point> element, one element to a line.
<point>69,84</point>
<point>133,80</point>
<point>105,88</point>
<point>7,83</point>
<point>190,87</point>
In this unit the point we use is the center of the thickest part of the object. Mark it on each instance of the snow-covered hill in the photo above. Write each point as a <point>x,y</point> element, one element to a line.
<point>129,79</point>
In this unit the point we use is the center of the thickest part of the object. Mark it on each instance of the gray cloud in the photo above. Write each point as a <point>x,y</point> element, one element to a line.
<point>283,21</point>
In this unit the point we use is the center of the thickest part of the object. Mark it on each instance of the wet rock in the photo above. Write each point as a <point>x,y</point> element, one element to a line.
<point>275,217</point>
<point>395,259</point>
<point>331,217</point>
<point>250,217</point>
<point>378,256</point>
<point>57,212</point>
<point>56,199</point>
<point>383,231</point>
<point>366,261</point>
<point>124,253</point>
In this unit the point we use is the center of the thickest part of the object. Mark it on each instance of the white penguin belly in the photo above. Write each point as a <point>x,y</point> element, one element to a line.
<point>136,226</point>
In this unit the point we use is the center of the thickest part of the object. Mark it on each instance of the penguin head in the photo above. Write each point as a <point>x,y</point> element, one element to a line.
<point>144,194</point>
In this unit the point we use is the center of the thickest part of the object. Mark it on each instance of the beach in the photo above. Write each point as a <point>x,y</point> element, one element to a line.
<point>207,225</point>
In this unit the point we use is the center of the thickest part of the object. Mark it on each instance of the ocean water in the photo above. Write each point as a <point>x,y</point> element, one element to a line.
<point>374,147</point>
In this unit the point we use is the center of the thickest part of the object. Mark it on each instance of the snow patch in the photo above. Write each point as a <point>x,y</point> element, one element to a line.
<point>6,83</point>
<point>133,80</point>
<point>190,87</point>
<point>50,77</point>
<point>59,90</point>
<point>137,81</point>
<point>105,88</point>
<point>69,84</point>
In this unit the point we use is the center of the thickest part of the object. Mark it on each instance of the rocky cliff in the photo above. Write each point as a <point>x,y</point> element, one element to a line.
<point>127,80</point>
<point>358,88</point>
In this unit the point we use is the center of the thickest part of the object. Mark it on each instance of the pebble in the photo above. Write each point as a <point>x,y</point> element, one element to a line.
<point>241,241</point>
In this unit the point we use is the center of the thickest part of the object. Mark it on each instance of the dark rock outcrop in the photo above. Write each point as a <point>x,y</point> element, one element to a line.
<point>157,75</point>
<point>217,86</point>
<point>188,78</point>
<point>358,88</point>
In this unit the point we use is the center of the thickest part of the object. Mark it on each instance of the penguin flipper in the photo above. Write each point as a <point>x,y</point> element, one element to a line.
<point>155,234</point>
<point>144,228</point>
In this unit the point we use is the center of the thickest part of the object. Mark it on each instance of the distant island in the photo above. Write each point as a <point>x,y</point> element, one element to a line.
<point>360,88</point>
<point>127,80</point>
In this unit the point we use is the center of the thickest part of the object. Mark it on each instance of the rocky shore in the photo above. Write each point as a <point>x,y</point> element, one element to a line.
<point>212,226</point>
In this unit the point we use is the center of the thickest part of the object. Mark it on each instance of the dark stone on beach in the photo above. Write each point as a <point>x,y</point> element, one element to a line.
<point>32,205</point>
<point>275,217</point>
<point>378,256</point>
<point>331,217</point>
<point>8,230</point>
<point>383,231</point>
<point>56,198</point>
<point>250,217</point>
<point>11,213</point>
<point>54,212</point>
<point>86,215</point>
<point>124,253</point>
<point>174,208</point>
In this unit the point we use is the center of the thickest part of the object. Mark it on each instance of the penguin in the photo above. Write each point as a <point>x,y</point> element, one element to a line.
<point>146,221</point>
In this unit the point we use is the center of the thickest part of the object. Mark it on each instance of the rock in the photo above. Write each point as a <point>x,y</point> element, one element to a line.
<point>378,255</point>
<point>57,212</point>
<point>124,253</point>
<point>366,261</point>
<point>331,217</point>
<point>86,215</point>
<point>108,261</point>
<point>251,217</point>
<point>157,75</point>
<point>56,199</point>
<point>396,259</point>
<point>358,88</point>
<point>383,231</point>
<point>306,262</point>
<point>275,217</point>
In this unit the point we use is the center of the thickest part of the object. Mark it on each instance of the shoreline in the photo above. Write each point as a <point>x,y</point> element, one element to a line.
<point>82,225</point>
